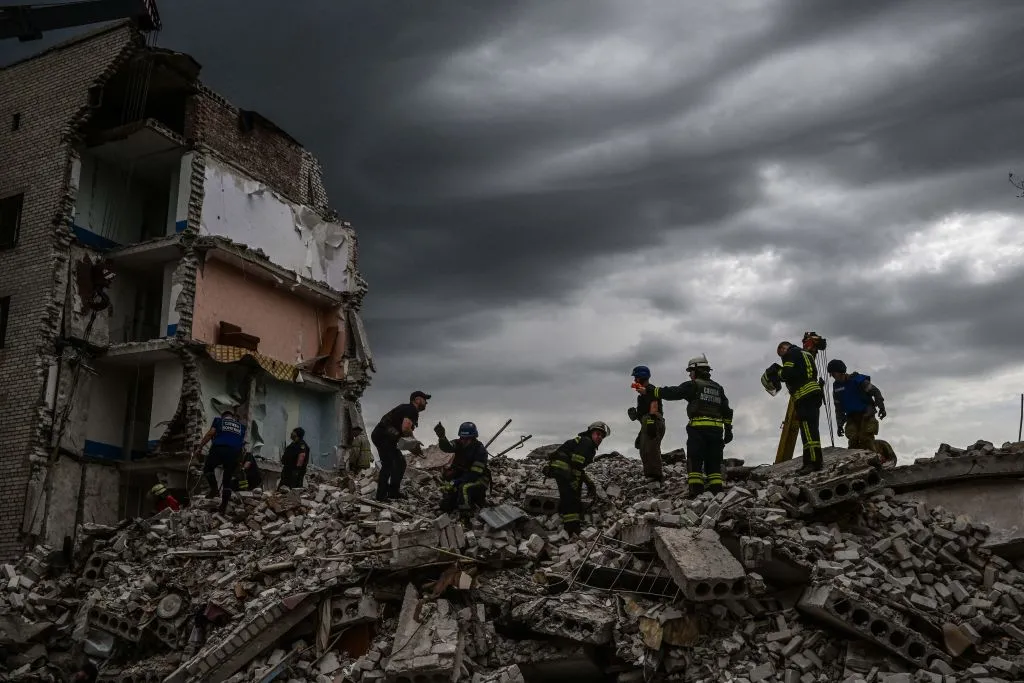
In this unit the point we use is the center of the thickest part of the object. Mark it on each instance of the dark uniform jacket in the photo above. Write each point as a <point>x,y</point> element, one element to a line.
<point>573,456</point>
<point>293,453</point>
<point>389,429</point>
<point>707,404</point>
<point>469,463</point>
<point>799,373</point>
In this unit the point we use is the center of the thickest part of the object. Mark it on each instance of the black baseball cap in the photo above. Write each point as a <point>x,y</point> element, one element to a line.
<point>418,394</point>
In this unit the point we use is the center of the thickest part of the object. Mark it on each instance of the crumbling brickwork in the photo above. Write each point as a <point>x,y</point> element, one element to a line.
<point>50,92</point>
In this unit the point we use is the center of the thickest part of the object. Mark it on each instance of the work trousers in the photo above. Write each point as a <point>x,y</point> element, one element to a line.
<point>807,410</point>
<point>650,444</point>
<point>392,467</point>
<point>861,429</point>
<point>293,477</point>
<point>705,450</point>
<point>570,500</point>
<point>227,458</point>
<point>463,496</point>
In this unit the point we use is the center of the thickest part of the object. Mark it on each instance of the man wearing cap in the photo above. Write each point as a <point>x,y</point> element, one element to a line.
<point>649,413</point>
<point>397,423</point>
<point>295,460</point>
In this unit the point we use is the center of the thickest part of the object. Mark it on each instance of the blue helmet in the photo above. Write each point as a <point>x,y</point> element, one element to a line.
<point>468,429</point>
<point>641,372</point>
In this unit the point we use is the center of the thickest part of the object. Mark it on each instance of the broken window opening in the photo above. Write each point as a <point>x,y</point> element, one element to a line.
<point>136,301</point>
<point>138,411</point>
<point>10,220</point>
<point>5,309</point>
<point>154,85</point>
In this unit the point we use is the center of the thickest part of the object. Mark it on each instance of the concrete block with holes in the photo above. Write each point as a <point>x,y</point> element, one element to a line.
<point>579,618</point>
<point>700,565</point>
<point>822,494</point>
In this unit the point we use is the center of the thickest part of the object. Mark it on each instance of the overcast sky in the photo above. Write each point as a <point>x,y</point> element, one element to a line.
<point>548,193</point>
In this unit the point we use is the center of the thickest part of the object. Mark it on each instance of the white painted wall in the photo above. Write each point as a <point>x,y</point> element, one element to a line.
<point>180,195</point>
<point>106,206</point>
<point>172,200</point>
<point>101,494</point>
<point>167,380</point>
<point>294,236</point>
<point>108,401</point>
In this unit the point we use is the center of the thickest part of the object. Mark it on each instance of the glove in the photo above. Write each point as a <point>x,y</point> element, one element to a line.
<point>728,433</point>
<point>839,432</point>
<point>881,412</point>
<point>439,430</point>
<point>821,382</point>
<point>632,413</point>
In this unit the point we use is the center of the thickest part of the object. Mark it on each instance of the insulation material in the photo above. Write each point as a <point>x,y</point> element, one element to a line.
<point>293,236</point>
<point>280,407</point>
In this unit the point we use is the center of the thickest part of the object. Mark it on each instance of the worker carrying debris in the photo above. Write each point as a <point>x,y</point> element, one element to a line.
<point>467,478</point>
<point>360,457</point>
<point>397,423</point>
<point>228,435</point>
<point>649,413</point>
<point>164,499</point>
<point>800,376</point>
<point>566,465</point>
<point>708,426</point>
<point>856,400</point>
<point>295,460</point>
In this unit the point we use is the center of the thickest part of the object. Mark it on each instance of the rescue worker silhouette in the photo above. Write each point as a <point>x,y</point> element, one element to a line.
<point>295,460</point>
<point>248,477</point>
<point>467,478</point>
<point>398,422</point>
<point>567,466</point>
<point>649,413</point>
<point>228,435</point>
<point>856,400</point>
<point>800,376</point>
<point>164,499</point>
<point>360,457</point>
<point>708,426</point>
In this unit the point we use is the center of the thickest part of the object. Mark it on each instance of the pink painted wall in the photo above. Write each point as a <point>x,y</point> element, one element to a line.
<point>283,322</point>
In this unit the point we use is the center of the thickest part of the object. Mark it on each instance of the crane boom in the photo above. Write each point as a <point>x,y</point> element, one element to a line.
<point>27,22</point>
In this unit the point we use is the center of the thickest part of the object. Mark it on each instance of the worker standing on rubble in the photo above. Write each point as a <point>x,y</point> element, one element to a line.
<point>228,435</point>
<point>295,460</point>
<point>164,499</point>
<point>397,423</point>
<point>467,477</point>
<point>800,375</point>
<point>360,457</point>
<point>856,400</point>
<point>649,413</point>
<point>249,477</point>
<point>708,427</point>
<point>566,465</point>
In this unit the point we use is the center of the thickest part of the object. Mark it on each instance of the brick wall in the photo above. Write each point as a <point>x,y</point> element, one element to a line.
<point>50,92</point>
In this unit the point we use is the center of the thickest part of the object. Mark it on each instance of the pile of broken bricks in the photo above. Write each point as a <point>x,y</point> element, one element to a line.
<point>777,579</point>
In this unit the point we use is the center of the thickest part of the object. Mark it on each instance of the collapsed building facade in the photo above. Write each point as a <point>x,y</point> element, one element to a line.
<point>163,255</point>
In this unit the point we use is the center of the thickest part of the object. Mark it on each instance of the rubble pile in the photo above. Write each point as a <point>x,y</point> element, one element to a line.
<point>979,448</point>
<point>776,579</point>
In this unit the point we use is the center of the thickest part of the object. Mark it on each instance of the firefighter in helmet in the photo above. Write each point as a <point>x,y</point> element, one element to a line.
<point>467,478</point>
<point>567,466</point>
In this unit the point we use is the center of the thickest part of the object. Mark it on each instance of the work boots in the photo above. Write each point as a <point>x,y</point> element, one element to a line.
<point>211,481</point>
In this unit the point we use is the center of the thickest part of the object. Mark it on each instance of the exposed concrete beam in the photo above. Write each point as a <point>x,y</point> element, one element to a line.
<point>946,470</point>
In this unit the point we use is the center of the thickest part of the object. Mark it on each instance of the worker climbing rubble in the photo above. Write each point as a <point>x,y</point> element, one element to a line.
<point>466,478</point>
<point>649,413</point>
<point>397,423</point>
<point>856,401</point>
<point>228,436</point>
<point>567,466</point>
<point>708,427</point>
<point>800,375</point>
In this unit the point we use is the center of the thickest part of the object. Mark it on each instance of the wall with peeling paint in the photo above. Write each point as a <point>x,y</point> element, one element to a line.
<point>221,380</point>
<point>100,494</point>
<point>293,236</point>
<point>280,407</point>
<point>289,328</point>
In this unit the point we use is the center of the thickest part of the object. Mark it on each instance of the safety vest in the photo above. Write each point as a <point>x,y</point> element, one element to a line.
<point>851,396</point>
<point>706,410</point>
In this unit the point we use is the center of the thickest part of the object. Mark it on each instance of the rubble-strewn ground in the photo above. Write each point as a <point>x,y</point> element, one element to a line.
<point>776,579</point>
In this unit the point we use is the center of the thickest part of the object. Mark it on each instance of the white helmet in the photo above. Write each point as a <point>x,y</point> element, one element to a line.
<point>698,363</point>
<point>600,426</point>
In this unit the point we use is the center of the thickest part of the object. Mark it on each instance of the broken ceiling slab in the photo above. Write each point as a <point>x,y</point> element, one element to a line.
<point>138,353</point>
<point>144,256</point>
<point>583,618</point>
<point>501,516</point>
<point>944,470</point>
<point>700,564</point>
<point>428,642</point>
<point>835,459</point>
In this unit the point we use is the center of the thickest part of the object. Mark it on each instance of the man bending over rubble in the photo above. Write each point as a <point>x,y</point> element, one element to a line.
<point>228,435</point>
<point>467,477</point>
<point>398,422</point>
<point>566,465</point>
<point>709,424</point>
<point>856,400</point>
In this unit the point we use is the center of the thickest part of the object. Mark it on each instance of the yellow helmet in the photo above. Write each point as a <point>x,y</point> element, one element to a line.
<point>158,490</point>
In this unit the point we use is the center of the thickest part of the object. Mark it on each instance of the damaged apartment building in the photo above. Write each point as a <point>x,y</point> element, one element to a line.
<point>163,255</point>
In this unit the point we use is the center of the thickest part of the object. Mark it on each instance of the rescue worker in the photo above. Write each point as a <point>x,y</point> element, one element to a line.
<point>397,423</point>
<point>652,425</point>
<point>566,465</point>
<point>164,499</point>
<point>800,376</point>
<point>708,426</point>
<point>360,457</point>
<point>295,460</point>
<point>228,435</point>
<point>856,400</point>
<point>466,478</point>
<point>249,476</point>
